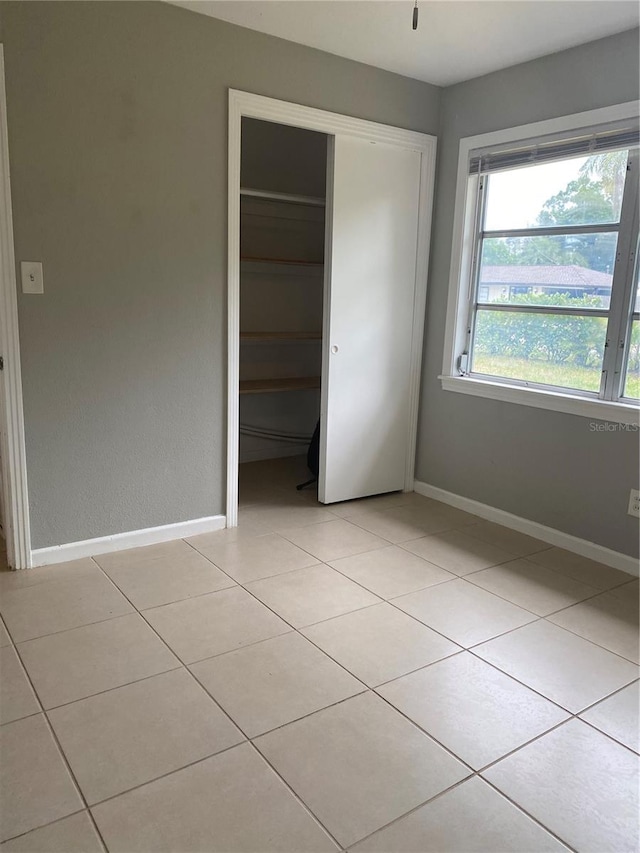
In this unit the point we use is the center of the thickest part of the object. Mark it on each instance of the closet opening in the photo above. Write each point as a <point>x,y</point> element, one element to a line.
<point>282,253</point>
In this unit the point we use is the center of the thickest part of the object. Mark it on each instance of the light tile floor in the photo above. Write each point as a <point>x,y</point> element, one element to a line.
<point>388,674</point>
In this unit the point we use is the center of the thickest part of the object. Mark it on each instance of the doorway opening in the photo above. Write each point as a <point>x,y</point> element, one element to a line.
<point>371,279</point>
<point>282,246</point>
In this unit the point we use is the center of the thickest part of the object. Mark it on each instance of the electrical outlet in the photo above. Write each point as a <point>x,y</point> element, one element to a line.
<point>634,503</point>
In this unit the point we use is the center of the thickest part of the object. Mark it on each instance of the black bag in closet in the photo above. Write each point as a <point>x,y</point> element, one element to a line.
<point>313,458</point>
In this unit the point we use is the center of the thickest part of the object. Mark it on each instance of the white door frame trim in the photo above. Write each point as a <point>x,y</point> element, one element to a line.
<point>244,104</point>
<point>14,453</point>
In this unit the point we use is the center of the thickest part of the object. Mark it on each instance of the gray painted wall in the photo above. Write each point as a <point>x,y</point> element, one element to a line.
<point>118,142</point>
<point>545,466</point>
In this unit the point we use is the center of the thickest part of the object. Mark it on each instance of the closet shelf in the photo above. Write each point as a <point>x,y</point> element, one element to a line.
<point>290,198</point>
<point>298,383</point>
<point>281,261</point>
<point>260,337</point>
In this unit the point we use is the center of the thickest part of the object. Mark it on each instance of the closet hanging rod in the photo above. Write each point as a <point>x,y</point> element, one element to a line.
<point>286,197</point>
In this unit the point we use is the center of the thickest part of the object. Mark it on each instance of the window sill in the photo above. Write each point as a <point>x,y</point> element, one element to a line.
<point>601,410</point>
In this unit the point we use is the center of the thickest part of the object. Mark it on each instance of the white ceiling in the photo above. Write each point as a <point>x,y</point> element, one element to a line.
<point>455,40</point>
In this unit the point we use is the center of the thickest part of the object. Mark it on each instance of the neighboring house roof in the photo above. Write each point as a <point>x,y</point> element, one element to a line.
<point>570,276</point>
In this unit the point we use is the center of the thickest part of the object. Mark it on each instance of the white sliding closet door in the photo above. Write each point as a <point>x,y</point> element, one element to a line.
<point>372,234</point>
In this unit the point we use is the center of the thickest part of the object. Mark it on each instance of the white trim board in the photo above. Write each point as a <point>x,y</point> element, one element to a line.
<point>122,541</point>
<point>615,559</point>
<point>245,104</point>
<point>16,504</point>
<point>554,401</point>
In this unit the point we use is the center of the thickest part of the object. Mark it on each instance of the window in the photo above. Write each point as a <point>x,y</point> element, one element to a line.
<point>546,284</point>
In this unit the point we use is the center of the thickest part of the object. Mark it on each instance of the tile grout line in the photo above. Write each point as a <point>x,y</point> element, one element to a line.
<point>373,690</point>
<point>474,773</point>
<point>56,742</point>
<point>296,796</point>
<point>277,728</point>
<point>615,692</point>
<point>512,558</point>
<point>382,600</point>
<point>423,534</point>
<point>471,648</point>
<point>596,593</point>
<point>52,823</point>
<point>419,589</point>
<point>60,750</point>
<point>462,648</point>
<point>508,675</point>
<point>484,768</point>
<point>634,752</point>
<point>572,714</point>
<point>531,816</point>
<point>175,770</point>
<point>75,628</point>
<point>537,615</point>
<point>367,689</point>
<point>385,544</point>
<point>502,634</point>
<point>109,689</point>
<point>390,601</point>
<point>217,704</point>
<point>587,640</point>
<point>252,580</point>
<point>296,630</point>
<point>182,664</point>
<point>528,609</point>
<point>448,790</point>
<point>299,631</point>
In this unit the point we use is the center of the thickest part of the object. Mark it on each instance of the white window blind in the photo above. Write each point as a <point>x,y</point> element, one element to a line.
<point>585,142</point>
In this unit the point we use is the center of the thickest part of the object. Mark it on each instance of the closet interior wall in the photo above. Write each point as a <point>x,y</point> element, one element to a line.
<point>282,214</point>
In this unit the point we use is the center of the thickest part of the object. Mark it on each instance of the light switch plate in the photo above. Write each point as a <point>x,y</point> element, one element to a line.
<point>32,278</point>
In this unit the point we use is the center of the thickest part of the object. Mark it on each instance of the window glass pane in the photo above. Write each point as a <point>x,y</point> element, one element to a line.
<point>547,349</point>
<point>579,191</point>
<point>632,382</point>
<point>632,377</point>
<point>573,270</point>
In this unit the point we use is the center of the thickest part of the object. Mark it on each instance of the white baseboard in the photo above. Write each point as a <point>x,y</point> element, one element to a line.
<point>624,562</point>
<point>122,541</point>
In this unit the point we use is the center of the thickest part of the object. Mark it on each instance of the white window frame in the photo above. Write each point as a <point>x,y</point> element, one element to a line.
<point>461,273</point>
